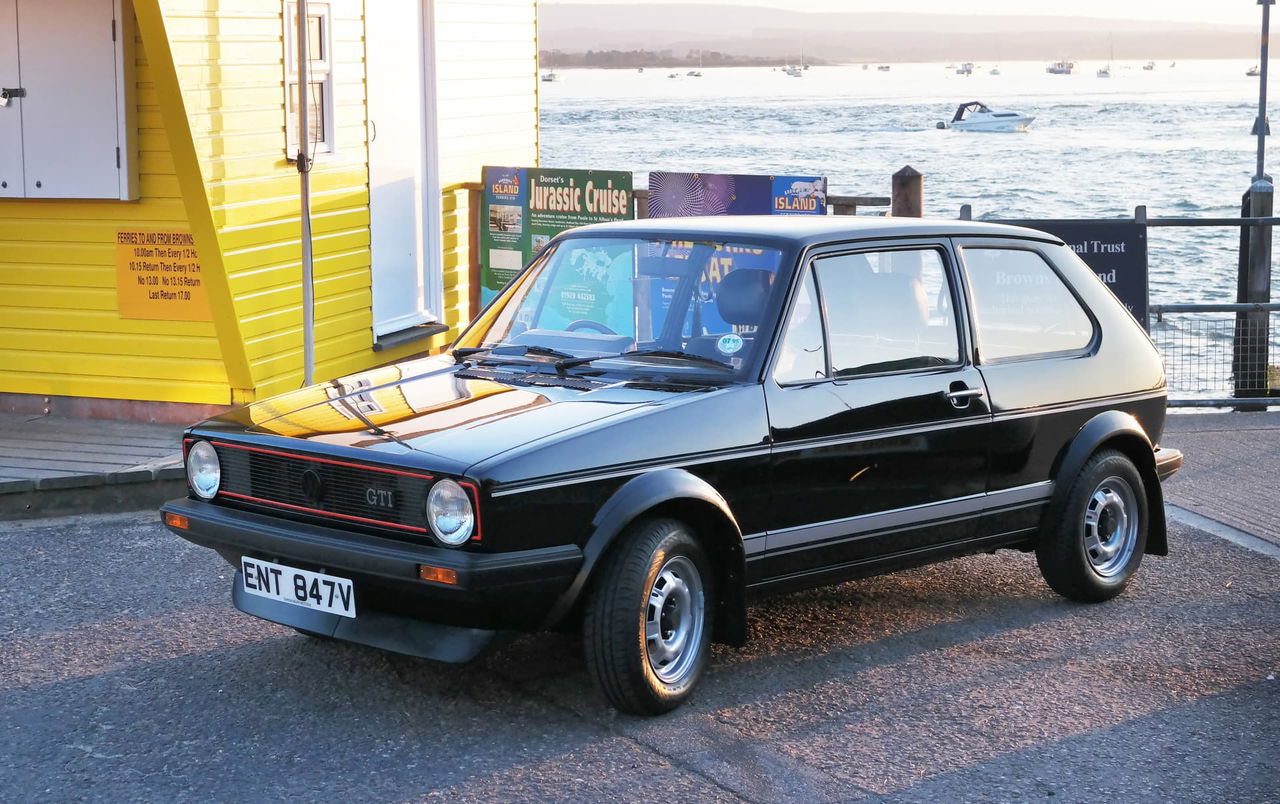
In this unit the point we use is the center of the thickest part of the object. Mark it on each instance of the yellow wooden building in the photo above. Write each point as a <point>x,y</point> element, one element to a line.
<point>150,251</point>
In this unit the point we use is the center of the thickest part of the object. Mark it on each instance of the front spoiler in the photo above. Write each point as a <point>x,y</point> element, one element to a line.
<point>377,629</point>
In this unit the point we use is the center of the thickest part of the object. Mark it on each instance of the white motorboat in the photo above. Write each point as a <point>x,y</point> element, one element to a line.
<point>793,71</point>
<point>977,116</point>
<point>551,76</point>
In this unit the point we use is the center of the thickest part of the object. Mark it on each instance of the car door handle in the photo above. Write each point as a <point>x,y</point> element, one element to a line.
<point>960,396</point>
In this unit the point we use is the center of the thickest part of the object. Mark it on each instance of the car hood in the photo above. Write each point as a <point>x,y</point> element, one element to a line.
<point>436,413</point>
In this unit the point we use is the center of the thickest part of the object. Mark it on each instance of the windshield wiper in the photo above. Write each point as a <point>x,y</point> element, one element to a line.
<point>515,349</point>
<point>672,353</point>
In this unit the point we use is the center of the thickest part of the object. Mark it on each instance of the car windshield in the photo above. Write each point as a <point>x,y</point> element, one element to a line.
<point>633,303</point>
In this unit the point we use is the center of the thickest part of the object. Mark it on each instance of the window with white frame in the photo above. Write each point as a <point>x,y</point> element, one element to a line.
<point>319,135</point>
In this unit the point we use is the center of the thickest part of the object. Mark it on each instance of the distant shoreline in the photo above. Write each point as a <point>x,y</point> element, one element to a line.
<point>635,59</point>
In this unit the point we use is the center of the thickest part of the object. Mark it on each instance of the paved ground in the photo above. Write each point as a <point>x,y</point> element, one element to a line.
<point>1232,470</point>
<point>126,674</point>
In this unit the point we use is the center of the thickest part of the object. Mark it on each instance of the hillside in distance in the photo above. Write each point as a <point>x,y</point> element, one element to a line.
<point>751,31</point>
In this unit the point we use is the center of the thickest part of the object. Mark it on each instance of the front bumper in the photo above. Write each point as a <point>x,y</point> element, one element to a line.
<point>396,610</point>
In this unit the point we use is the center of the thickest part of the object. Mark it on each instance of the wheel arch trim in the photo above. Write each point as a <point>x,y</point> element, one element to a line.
<point>1121,431</point>
<point>669,491</point>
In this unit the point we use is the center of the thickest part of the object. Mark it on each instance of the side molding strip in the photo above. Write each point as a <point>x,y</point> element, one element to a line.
<point>916,514</point>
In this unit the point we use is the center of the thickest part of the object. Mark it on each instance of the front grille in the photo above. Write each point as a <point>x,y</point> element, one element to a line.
<point>324,487</point>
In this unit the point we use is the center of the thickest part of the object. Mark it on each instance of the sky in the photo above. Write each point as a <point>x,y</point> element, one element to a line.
<point>1211,12</point>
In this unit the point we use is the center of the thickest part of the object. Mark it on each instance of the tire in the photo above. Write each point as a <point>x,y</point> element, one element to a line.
<point>1094,539</point>
<point>647,629</point>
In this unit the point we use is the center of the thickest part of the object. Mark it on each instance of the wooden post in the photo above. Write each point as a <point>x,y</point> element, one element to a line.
<point>840,207</point>
<point>474,193</point>
<point>642,202</point>
<point>908,193</point>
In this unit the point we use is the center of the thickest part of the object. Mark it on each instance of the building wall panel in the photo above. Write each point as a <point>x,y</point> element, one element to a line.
<point>60,330</point>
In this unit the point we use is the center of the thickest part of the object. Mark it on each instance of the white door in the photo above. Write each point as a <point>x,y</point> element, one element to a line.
<point>394,66</point>
<point>11,182</point>
<point>70,142</point>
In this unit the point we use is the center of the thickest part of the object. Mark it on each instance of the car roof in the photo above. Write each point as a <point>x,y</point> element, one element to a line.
<point>805,230</point>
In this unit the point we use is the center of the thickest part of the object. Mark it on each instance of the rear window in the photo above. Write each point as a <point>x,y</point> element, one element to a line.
<point>1021,305</point>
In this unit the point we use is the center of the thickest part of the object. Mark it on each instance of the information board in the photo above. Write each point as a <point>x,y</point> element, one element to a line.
<point>1115,250</point>
<point>158,276</point>
<point>525,207</point>
<point>678,195</point>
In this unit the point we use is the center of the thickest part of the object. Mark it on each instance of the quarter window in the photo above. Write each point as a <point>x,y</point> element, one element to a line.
<point>887,311</point>
<point>1021,306</point>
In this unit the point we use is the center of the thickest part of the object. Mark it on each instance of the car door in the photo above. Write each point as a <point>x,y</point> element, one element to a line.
<point>877,415</point>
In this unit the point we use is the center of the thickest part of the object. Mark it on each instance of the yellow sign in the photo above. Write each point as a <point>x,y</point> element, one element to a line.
<point>158,277</point>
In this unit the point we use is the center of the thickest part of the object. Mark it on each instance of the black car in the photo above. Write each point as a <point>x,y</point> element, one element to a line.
<point>659,420</point>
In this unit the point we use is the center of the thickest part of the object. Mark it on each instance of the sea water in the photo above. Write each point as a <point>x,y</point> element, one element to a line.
<point>1175,139</point>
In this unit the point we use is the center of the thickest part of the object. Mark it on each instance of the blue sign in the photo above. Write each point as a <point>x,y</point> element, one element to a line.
<point>679,195</point>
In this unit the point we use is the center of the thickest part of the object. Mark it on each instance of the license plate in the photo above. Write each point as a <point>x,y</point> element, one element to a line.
<point>311,590</point>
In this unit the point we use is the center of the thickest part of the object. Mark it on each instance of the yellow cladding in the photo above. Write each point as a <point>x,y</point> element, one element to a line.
<point>211,137</point>
<point>60,333</point>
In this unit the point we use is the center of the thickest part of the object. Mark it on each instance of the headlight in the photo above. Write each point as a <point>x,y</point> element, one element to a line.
<point>449,513</point>
<point>204,473</point>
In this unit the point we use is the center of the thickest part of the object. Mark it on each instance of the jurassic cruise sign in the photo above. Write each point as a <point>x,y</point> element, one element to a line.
<point>526,207</point>
<point>158,276</point>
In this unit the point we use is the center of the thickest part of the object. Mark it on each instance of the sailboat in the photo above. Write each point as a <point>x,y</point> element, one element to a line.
<point>698,72</point>
<point>1105,72</point>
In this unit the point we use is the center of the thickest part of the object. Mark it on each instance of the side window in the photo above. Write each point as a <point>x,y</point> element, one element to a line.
<point>887,311</point>
<point>1021,307</point>
<point>803,355</point>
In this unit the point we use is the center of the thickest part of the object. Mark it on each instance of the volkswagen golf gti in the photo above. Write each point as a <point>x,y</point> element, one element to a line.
<point>657,421</point>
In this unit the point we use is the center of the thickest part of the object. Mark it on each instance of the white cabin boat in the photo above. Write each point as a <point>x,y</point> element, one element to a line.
<point>977,116</point>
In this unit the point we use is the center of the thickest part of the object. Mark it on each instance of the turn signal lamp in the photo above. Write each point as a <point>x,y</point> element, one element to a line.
<point>437,574</point>
<point>176,521</point>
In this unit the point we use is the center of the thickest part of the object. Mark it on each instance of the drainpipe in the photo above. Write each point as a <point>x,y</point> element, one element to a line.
<point>304,188</point>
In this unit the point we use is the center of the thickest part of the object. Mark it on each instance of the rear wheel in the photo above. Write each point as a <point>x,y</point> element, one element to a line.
<point>648,623</point>
<point>1096,537</point>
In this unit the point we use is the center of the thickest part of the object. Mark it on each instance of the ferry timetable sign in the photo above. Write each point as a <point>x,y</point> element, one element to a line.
<point>158,276</point>
<point>526,207</point>
<point>1116,251</point>
<point>678,195</point>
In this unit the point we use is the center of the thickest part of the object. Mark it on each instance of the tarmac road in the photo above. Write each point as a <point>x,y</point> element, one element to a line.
<point>126,674</point>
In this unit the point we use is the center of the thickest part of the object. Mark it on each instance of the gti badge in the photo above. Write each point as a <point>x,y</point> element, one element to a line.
<point>380,498</point>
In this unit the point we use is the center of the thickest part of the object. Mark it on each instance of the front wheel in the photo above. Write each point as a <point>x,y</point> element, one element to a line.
<point>1095,538</point>
<point>648,622</point>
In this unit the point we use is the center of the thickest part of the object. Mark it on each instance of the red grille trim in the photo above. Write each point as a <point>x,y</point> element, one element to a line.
<point>323,513</point>
<point>313,459</point>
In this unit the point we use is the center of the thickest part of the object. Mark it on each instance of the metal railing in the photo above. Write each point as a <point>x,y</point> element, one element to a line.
<point>1219,355</point>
